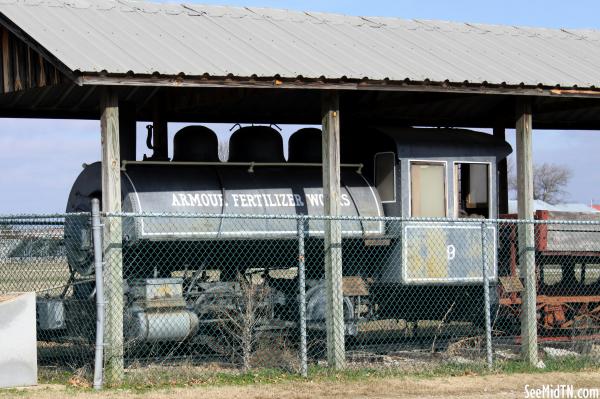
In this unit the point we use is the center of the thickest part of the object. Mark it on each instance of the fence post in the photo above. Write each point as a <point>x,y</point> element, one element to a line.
<point>302,298</point>
<point>98,267</point>
<point>486,295</point>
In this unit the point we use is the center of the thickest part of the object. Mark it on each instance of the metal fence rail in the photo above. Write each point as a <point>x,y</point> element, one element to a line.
<point>251,291</point>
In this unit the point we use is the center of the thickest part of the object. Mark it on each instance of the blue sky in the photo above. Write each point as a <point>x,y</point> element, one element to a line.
<point>40,159</point>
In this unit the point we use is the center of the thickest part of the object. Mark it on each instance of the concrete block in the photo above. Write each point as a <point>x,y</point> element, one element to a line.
<point>18,341</point>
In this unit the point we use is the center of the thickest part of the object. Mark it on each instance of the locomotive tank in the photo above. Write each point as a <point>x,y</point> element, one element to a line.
<point>228,190</point>
<point>221,189</point>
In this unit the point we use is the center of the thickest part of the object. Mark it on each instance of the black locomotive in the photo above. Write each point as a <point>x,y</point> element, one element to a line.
<point>393,269</point>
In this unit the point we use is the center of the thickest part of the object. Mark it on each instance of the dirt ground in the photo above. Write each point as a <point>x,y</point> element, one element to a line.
<point>490,386</point>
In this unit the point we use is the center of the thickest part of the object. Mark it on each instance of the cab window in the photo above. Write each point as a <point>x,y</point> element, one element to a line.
<point>472,187</point>
<point>428,189</point>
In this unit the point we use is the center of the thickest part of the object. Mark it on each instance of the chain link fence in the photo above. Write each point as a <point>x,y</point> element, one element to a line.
<point>563,288</point>
<point>252,292</point>
<point>34,257</point>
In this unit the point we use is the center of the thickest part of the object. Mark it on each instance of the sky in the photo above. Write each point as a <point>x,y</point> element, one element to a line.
<point>40,159</point>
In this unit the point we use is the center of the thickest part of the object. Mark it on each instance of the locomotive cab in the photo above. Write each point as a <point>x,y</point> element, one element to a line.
<point>441,177</point>
<point>432,173</point>
<point>439,173</point>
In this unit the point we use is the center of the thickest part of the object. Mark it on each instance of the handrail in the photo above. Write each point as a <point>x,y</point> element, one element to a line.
<point>251,165</point>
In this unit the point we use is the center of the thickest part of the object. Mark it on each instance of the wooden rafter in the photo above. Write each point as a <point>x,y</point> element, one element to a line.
<point>24,67</point>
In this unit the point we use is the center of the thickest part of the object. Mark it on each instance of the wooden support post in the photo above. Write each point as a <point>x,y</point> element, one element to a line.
<point>502,167</point>
<point>113,259</point>
<point>526,231</point>
<point>127,130</point>
<point>161,135</point>
<point>336,353</point>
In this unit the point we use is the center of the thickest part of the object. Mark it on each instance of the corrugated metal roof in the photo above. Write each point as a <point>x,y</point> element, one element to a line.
<point>119,37</point>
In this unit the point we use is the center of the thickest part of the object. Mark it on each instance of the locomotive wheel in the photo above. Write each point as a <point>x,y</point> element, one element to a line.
<point>316,303</point>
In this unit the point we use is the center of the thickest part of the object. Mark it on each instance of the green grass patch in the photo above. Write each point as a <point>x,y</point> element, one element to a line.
<point>144,379</point>
<point>51,375</point>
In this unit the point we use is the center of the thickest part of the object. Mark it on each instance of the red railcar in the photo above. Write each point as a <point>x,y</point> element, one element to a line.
<point>567,260</point>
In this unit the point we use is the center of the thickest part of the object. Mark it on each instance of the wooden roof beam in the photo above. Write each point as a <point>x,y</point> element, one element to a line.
<point>370,85</point>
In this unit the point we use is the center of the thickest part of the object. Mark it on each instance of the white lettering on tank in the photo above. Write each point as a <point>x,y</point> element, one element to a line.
<point>299,201</point>
<point>183,199</point>
<point>205,200</point>
<point>254,200</point>
<point>345,200</point>
<point>194,199</point>
<point>313,199</point>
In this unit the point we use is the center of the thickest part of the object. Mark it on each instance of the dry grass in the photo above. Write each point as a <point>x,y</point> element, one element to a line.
<point>467,385</point>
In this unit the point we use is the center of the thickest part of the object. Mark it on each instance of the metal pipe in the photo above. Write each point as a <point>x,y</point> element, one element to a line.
<point>98,266</point>
<point>486,295</point>
<point>302,297</point>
